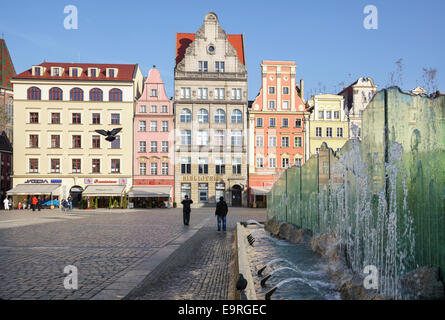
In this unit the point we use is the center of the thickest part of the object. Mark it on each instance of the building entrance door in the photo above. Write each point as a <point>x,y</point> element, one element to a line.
<point>236,196</point>
<point>76,195</point>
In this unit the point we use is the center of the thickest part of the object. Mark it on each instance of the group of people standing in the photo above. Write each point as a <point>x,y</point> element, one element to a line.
<point>220,212</point>
<point>34,202</point>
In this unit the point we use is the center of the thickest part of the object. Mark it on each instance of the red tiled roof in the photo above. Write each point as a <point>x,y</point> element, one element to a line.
<point>125,72</point>
<point>183,40</point>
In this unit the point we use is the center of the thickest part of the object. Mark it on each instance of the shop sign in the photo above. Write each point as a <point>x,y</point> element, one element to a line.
<point>36,181</point>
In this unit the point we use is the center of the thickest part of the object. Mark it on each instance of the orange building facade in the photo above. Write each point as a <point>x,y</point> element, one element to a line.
<point>277,135</point>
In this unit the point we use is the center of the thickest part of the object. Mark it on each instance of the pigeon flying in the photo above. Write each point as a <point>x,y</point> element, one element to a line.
<point>110,135</point>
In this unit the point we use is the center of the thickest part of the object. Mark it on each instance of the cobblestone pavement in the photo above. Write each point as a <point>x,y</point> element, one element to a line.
<point>36,246</point>
<point>203,268</point>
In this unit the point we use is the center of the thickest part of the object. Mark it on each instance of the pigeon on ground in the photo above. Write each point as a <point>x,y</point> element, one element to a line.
<point>110,135</point>
<point>241,284</point>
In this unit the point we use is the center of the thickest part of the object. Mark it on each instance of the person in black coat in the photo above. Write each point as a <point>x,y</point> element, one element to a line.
<point>186,210</point>
<point>221,213</point>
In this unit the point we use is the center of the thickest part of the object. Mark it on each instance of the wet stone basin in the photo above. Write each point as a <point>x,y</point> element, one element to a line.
<point>296,272</point>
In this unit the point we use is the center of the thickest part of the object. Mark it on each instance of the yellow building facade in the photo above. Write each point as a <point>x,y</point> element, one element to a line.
<point>328,122</point>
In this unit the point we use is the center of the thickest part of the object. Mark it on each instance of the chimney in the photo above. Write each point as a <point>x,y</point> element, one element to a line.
<point>302,89</point>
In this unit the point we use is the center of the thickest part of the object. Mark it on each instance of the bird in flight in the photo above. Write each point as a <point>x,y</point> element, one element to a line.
<point>110,135</point>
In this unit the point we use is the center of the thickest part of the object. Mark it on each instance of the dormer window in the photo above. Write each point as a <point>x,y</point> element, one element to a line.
<point>111,72</point>
<point>93,72</point>
<point>56,71</point>
<point>37,71</point>
<point>75,72</point>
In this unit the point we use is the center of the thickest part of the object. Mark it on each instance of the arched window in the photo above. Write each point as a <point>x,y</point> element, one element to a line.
<point>220,116</point>
<point>34,93</point>
<point>186,115</point>
<point>96,95</point>
<point>55,94</point>
<point>115,95</point>
<point>237,116</point>
<point>203,116</point>
<point>76,94</point>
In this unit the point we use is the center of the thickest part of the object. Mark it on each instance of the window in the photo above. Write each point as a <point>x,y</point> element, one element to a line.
<point>153,126</point>
<point>164,146</point>
<point>236,166</point>
<point>328,132</point>
<point>285,104</point>
<point>164,169</point>
<point>76,94</point>
<point>186,190</point>
<point>220,66</point>
<point>153,146</point>
<point>272,162</point>
<point>220,116</point>
<point>237,116</point>
<point>219,190</point>
<point>56,72</point>
<point>75,165</point>
<point>259,162</point>
<point>321,114</point>
<point>33,165</point>
<point>55,117</point>
<point>285,90</point>
<point>236,94</point>
<point>33,141</point>
<point>96,94</point>
<point>55,141</point>
<point>328,114</point>
<point>116,143</point>
<point>339,132</point>
<point>142,146</point>
<point>142,168</point>
<point>297,123</point>
<point>318,131</point>
<point>55,94</point>
<point>93,72</point>
<point>272,122</point>
<point>115,165</point>
<point>298,162</point>
<point>76,118</point>
<point>111,73</point>
<point>285,162</point>
<point>143,109</point>
<point>186,137</point>
<point>154,93</point>
<point>154,168</point>
<point>164,109</point>
<point>115,118</point>
<point>154,109</point>
<point>203,189</point>
<point>220,138</point>
<point>271,104</point>
<point>336,115</point>
<point>203,116</point>
<point>164,126</point>
<point>185,93</point>
<point>259,122</point>
<point>259,141</point>
<point>220,94</point>
<point>202,66</point>
<point>272,142</point>
<point>237,138</point>
<point>298,142</point>
<point>186,116</point>
<point>95,168</point>
<point>285,123</point>
<point>186,165</point>
<point>33,117</point>
<point>96,142</point>
<point>37,71</point>
<point>55,165</point>
<point>271,90</point>
<point>203,166</point>
<point>96,118</point>
<point>220,166</point>
<point>285,142</point>
<point>203,138</point>
<point>203,93</point>
<point>34,93</point>
<point>142,126</point>
<point>77,142</point>
<point>115,95</point>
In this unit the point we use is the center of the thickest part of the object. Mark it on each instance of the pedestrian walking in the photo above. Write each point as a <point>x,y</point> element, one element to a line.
<point>39,204</point>
<point>221,213</point>
<point>186,210</point>
<point>70,203</point>
<point>6,203</point>
<point>34,203</point>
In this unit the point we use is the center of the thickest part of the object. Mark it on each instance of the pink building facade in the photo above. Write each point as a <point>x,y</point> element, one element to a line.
<point>154,176</point>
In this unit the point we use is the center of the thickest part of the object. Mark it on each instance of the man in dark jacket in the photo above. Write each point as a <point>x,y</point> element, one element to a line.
<point>186,210</point>
<point>221,213</point>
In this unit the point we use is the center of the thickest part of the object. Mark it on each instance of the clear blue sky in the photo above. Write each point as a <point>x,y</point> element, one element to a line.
<point>326,39</point>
